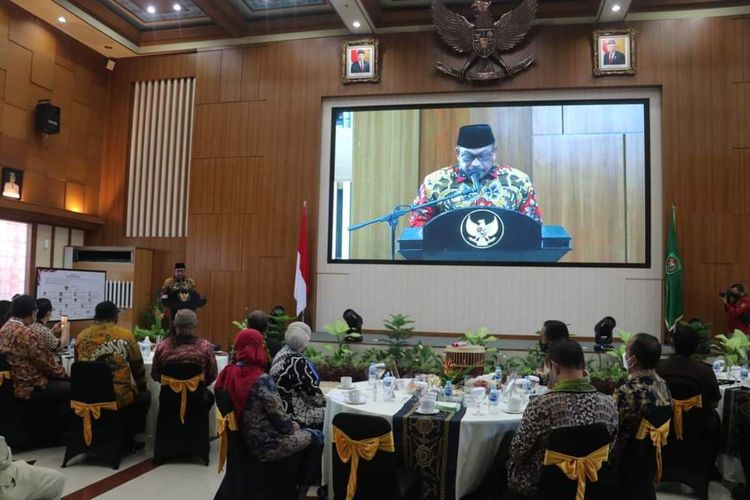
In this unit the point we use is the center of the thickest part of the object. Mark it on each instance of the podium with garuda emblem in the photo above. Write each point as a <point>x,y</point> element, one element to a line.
<point>183,299</point>
<point>484,234</point>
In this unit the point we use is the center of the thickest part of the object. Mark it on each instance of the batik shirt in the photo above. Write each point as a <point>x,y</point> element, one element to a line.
<point>194,350</point>
<point>299,388</point>
<point>31,363</point>
<point>642,390</point>
<point>116,347</point>
<point>172,284</point>
<point>49,339</point>
<point>543,415</point>
<point>266,427</point>
<point>502,187</point>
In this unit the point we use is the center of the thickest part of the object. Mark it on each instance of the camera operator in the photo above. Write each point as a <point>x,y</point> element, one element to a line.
<point>737,307</point>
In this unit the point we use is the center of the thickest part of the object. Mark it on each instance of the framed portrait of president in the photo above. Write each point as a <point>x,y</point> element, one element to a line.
<point>360,61</point>
<point>12,181</point>
<point>614,52</point>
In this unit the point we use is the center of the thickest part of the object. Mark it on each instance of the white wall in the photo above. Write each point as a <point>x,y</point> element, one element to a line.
<point>506,299</point>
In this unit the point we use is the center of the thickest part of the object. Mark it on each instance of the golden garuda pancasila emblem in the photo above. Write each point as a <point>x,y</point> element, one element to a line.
<point>484,39</point>
<point>183,296</point>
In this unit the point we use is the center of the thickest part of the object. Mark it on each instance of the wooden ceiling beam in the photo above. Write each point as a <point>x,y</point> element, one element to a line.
<point>224,15</point>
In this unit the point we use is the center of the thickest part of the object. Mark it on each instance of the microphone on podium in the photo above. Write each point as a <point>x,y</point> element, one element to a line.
<point>475,183</point>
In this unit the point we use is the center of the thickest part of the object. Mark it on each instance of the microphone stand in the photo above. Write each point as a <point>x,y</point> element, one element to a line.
<point>401,210</point>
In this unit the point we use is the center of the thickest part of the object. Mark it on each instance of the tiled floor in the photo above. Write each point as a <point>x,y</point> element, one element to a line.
<point>183,481</point>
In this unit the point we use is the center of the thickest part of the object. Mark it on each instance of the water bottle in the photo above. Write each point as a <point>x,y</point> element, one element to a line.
<point>493,400</point>
<point>72,347</point>
<point>743,372</point>
<point>498,376</point>
<point>372,375</point>
<point>448,390</point>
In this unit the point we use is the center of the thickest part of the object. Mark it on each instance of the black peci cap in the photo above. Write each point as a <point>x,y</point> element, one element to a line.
<point>475,136</point>
<point>179,265</point>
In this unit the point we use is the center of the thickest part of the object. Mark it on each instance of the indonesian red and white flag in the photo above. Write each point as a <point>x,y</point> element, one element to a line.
<point>301,277</point>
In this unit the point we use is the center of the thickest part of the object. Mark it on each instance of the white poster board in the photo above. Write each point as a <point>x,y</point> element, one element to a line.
<point>73,293</point>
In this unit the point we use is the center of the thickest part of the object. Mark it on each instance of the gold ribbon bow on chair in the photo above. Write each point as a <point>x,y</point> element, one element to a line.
<point>4,375</point>
<point>679,406</point>
<point>349,449</point>
<point>579,468</point>
<point>224,422</point>
<point>86,410</point>
<point>182,386</point>
<point>658,437</point>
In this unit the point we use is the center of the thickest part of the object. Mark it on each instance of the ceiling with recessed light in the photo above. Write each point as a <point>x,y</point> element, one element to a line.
<point>134,27</point>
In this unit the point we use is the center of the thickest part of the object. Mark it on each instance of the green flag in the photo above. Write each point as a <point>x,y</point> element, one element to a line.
<point>672,278</point>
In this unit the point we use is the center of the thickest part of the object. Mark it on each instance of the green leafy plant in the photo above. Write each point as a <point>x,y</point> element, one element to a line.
<point>421,359</point>
<point>481,337</point>
<point>341,354</point>
<point>524,365</point>
<point>399,331</point>
<point>619,351</point>
<point>278,320</point>
<point>606,376</point>
<point>733,349</point>
<point>455,375</point>
<point>152,321</point>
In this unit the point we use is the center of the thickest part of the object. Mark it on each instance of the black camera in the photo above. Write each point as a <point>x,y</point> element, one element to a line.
<point>729,294</point>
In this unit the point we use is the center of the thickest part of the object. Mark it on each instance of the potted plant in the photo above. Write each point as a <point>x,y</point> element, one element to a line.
<point>339,361</point>
<point>153,329</point>
<point>399,329</point>
<point>733,349</point>
<point>420,359</point>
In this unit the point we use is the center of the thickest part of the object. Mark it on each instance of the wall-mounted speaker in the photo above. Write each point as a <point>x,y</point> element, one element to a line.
<point>47,117</point>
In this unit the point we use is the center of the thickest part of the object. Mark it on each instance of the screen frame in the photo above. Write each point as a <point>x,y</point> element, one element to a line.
<point>644,101</point>
<point>36,284</point>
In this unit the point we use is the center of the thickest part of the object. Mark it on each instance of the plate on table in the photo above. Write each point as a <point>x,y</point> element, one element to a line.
<point>505,409</point>
<point>434,411</point>
<point>360,402</point>
<point>341,387</point>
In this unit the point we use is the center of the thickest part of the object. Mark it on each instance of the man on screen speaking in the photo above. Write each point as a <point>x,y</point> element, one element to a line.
<point>498,185</point>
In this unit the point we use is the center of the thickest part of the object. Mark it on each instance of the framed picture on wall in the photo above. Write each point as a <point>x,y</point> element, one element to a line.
<point>614,52</point>
<point>12,183</point>
<point>360,61</point>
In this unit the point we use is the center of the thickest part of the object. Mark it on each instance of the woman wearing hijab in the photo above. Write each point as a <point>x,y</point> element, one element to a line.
<point>265,426</point>
<point>298,380</point>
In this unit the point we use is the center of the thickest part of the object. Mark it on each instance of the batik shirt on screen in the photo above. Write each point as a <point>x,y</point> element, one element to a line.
<point>502,187</point>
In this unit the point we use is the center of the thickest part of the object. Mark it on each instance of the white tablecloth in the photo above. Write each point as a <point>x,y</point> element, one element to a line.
<point>479,438</point>
<point>154,387</point>
<point>729,466</point>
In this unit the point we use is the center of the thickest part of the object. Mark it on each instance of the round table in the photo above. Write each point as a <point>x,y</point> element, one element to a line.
<point>479,438</point>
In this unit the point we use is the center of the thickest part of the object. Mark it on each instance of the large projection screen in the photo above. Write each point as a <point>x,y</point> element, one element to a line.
<point>594,158</point>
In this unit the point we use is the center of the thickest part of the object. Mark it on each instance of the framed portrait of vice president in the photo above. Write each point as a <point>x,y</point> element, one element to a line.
<point>360,61</point>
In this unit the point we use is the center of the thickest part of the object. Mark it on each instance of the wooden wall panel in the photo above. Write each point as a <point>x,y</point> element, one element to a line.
<point>278,114</point>
<point>39,62</point>
<point>382,139</point>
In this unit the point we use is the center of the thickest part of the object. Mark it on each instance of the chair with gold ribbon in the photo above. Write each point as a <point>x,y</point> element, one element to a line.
<point>641,463</point>
<point>574,463</point>
<point>364,462</point>
<point>13,424</point>
<point>97,427</point>
<point>184,408</point>
<point>689,459</point>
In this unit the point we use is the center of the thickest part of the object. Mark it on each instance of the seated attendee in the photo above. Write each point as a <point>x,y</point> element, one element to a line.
<point>681,365</point>
<point>571,402</point>
<point>258,320</point>
<point>265,426</point>
<point>552,331</point>
<point>117,348</point>
<point>298,380</point>
<point>36,372</point>
<point>5,306</point>
<point>49,335</point>
<point>21,481</point>
<point>643,389</point>
<point>185,347</point>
